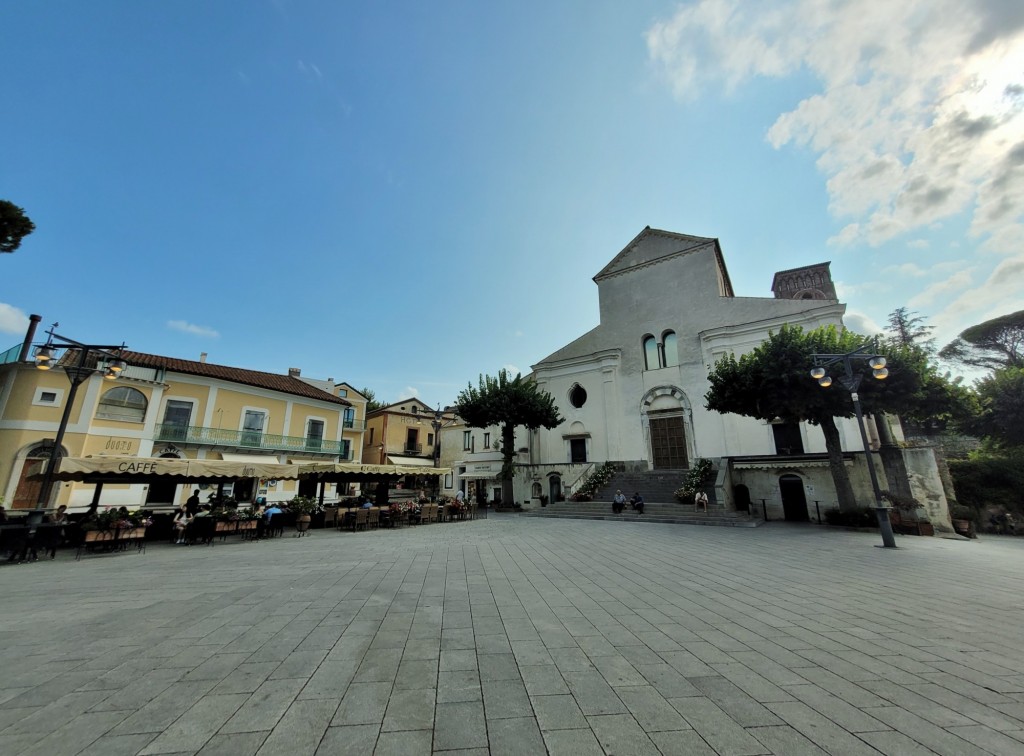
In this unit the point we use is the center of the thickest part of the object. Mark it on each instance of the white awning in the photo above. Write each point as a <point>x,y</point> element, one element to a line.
<point>410,461</point>
<point>479,475</point>
<point>255,459</point>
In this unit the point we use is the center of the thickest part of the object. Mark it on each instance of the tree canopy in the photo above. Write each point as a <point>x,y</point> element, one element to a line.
<point>773,381</point>
<point>1000,419</point>
<point>994,344</point>
<point>507,402</point>
<point>909,329</point>
<point>14,226</point>
<point>371,400</point>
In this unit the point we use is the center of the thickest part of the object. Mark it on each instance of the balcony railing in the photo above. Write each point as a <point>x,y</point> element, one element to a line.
<point>245,439</point>
<point>413,449</point>
<point>353,424</point>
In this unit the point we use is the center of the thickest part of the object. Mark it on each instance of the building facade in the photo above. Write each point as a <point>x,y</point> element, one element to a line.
<point>632,389</point>
<point>168,407</point>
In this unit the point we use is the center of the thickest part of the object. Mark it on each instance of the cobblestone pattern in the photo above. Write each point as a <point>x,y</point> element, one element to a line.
<point>521,636</point>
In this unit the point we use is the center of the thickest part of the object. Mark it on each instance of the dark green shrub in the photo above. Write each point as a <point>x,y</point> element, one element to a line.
<point>984,482</point>
<point>860,518</point>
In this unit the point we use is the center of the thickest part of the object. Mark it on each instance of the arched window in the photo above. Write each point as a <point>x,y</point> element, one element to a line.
<point>123,403</point>
<point>651,353</point>
<point>669,349</point>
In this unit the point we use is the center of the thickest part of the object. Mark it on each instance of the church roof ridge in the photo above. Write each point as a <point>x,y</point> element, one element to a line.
<point>619,262</point>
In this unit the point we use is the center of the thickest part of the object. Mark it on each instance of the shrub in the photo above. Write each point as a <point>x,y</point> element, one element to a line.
<point>983,482</point>
<point>858,518</point>
<point>597,479</point>
<point>694,480</point>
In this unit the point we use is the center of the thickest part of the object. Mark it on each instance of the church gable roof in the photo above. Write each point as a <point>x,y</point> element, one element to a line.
<point>652,245</point>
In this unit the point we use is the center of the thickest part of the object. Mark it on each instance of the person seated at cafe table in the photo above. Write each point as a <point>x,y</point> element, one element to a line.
<point>60,515</point>
<point>181,520</point>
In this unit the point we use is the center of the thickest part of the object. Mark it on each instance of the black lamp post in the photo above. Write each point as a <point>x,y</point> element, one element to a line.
<point>77,374</point>
<point>851,382</point>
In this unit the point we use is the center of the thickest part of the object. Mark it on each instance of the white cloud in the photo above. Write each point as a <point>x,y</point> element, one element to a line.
<point>409,392</point>
<point>920,112</point>
<point>918,244</point>
<point>191,328</point>
<point>860,323</point>
<point>512,370</point>
<point>946,288</point>
<point>912,270</point>
<point>12,320</point>
<point>1001,293</point>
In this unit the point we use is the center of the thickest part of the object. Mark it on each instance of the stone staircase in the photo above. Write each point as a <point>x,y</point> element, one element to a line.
<point>683,514</point>
<point>655,485</point>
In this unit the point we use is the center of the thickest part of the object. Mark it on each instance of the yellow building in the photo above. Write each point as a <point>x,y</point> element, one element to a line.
<point>169,407</point>
<point>403,433</point>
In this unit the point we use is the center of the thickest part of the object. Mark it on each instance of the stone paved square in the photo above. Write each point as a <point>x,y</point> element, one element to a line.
<point>519,635</point>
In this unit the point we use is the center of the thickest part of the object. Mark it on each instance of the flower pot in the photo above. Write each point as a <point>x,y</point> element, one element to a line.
<point>302,523</point>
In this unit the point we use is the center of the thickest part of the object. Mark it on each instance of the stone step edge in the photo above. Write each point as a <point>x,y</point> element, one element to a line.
<point>724,522</point>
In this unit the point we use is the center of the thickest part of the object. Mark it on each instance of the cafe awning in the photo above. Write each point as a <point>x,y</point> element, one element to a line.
<point>259,459</point>
<point>410,461</point>
<point>142,469</point>
<point>354,470</point>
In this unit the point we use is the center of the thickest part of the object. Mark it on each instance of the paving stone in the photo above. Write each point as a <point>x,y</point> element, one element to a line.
<point>720,731</point>
<point>364,703</point>
<point>264,707</point>
<point>235,744</point>
<point>620,733</point>
<point>543,680</point>
<point>197,725</point>
<point>410,710</point>
<point>650,709</point>
<point>300,729</point>
<point>558,712</point>
<point>593,694</point>
<point>683,743</point>
<point>572,743</point>
<point>458,686</point>
<point>405,743</point>
<point>353,740</point>
<point>516,737</point>
<point>459,725</point>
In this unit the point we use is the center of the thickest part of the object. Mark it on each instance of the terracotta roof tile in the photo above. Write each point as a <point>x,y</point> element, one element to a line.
<point>272,381</point>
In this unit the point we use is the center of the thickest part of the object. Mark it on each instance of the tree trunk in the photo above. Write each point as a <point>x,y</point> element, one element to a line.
<point>840,476</point>
<point>508,451</point>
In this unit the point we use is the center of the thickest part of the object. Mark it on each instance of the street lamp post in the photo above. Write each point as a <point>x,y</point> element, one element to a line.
<point>77,374</point>
<point>851,382</point>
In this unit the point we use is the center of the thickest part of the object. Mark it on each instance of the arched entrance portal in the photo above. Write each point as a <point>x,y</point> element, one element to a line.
<point>741,496</point>
<point>665,413</point>
<point>26,494</point>
<point>794,501</point>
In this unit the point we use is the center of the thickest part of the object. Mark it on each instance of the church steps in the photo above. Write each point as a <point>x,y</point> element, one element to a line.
<point>653,512</point>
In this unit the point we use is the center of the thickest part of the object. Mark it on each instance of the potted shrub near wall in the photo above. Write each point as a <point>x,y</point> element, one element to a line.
<point>303,507</point>
<point>963,519</point>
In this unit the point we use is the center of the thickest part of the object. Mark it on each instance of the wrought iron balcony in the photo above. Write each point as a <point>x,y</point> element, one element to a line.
<point>199,436</point>
<point>353,424</point>
<point>413,449</point>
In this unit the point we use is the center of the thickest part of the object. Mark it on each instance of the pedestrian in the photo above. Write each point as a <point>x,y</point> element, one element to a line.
<point>193,503</point>
<point>618,502</point>
<point>701,500</point>
<point>638,502</point>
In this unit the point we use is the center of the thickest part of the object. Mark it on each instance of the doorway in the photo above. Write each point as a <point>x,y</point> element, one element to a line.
<point>668,443</point>
<point>26,493</point>
<point>794,501</point>
<point>163,492</point>
<point>554,488</point>
<point>741,495</point>
<point>577,450</point>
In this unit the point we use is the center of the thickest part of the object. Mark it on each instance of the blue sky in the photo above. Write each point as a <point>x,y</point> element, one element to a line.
<point>403,195</point>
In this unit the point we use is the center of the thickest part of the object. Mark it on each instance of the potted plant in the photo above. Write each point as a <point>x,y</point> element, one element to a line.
<point>910,516</point>
<point>303,507</point>
<point>963,519</point>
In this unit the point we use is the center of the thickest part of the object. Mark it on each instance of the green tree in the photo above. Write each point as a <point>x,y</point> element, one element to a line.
<point>507,402</point>
<point>14,226</point>
<point>371,400</point>
<point>994,344</point>
<point>773,380</point>
<point>909,329</point>
<point>1000,419</point>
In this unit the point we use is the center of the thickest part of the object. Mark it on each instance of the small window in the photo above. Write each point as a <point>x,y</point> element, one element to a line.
<point>342,392</point>
<point>487,440</point>
<point>578,396</point>
<point>669,349</point>
<point>123,403</point>
<point>650,353</point>
<point>370,441</point>
<point>48,396</point>
<point>430,439</point>
<point>467,440</point>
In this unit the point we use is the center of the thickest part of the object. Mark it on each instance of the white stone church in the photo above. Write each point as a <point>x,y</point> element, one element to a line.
<point>632,389</point>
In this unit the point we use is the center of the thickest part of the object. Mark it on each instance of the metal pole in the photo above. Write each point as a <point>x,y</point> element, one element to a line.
<point>818,510</point>
<point>764,509</point>
<point>76,376</point>
<point>881,511</point>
